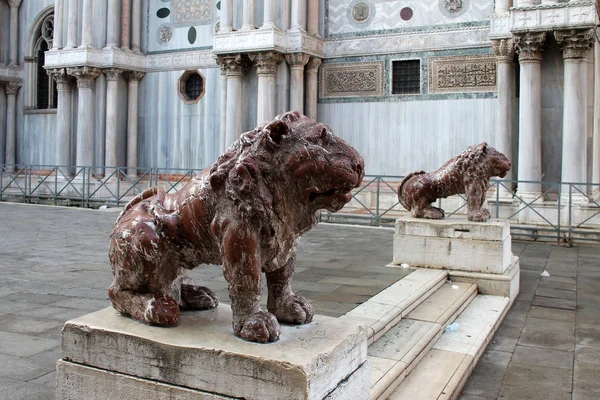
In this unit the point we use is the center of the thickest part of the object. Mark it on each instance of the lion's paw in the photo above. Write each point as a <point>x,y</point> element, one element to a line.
<point>261,327</point>
<point>198,297</point>
<point>162,310</point>
<point>479,216</point>
<point>293,310</point>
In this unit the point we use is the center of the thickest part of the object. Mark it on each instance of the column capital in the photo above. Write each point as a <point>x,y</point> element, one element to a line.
<point>14,3</point>
<point>297,59</point>
<point>12,87</point>
<point>530,45</point>
<point>575,42</point>
<point>313,64</point>
<point>112,74</point>
<point>266,63</point>
<point>504,49</point>
<point>135,76</point>
<point>233,64</point>
<point>62,79</point>
<point>85,76</point>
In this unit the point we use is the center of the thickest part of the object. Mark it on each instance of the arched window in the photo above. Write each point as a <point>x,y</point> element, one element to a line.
<point>41,91</point>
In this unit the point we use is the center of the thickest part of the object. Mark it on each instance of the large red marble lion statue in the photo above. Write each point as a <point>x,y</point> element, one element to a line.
<point>468,173</point>
<point>247,213</point>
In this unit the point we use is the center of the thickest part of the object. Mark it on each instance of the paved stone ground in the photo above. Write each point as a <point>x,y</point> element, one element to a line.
<point>54,267</point>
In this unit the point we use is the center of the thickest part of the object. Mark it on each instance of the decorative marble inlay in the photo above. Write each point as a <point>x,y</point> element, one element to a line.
<point>352,80</point>
<point>361,12</point>
<point>165,34</point>
<point>462,74</point>
<point>192,11</point>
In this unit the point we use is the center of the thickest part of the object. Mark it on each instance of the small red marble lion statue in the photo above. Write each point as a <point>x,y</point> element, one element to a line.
<point>247,212</point>
<point>468,173</point>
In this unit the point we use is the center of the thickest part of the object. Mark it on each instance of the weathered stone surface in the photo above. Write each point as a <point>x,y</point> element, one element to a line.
<point>506,284</point>
<point>451,244</point>
<point>247,213</point>
<point>468,173</point>
<point>308,362</point>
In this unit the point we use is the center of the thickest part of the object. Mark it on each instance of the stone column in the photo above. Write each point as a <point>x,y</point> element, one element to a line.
<point>596,137</point>
<point>11,89</point>
<point>524,3</point>
<point>223,109</point>
<point>1,63</point>
<point>86,77</point>
<point>575,45</point>
<point>113,24</point>
<point>266,68</point>
<point>13,59</point>
<point>529,46</point>
<point>136,25</point>
<point>298,15</point>
<point>134,78</point>
<point>87,28</point>
<point>502,6</point>
<point>312,25</point>
<point>235,66</point>
<point>226,18</point>
<point>504,50</point>
<point>297,62</point>
<point>72,24</point>
<point>59,10</point>
<point>248,17</point>
<point>125,24</point>
<point>112,110</point>
<point>63,116</point>
<point>312,87</point>
<point>269,14</point>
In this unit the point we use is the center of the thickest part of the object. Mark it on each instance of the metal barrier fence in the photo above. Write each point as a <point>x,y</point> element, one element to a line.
<point>564,212</point>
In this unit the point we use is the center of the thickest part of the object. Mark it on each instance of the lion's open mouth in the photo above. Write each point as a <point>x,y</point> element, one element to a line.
<point>332,199</point>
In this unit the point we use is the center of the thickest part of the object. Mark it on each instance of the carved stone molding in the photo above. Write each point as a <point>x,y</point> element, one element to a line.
<point>504,49</point>
<point>63,80</point>
<point>297,60</point>
<point>313,64</point>
<point>530,45</point>
<point>85,76</point>
<point>352,80</point>
<point>112,74</point>
<point>574,42</point>
<point>266,63</point>
<point>192,12</point>
<point>462,74</point>
<point>12,87</point>
<point>134,75</point>
<point>233,65</point>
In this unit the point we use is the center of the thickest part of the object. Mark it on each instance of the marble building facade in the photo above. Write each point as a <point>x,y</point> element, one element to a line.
<point>409,83</point>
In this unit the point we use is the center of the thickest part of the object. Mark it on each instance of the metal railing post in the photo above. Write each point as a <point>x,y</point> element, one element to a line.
<point>570,214</point>
<point>377,215</point>
<point>559,217</point>
<point>497,199</point>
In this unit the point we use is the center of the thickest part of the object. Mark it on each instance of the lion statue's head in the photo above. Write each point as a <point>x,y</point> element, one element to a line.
<point>292,163</point>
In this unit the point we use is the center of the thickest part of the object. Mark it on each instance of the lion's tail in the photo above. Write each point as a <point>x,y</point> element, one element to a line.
<point>406,179</point>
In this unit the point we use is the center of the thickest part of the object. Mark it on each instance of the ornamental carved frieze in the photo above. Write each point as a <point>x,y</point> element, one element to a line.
<point>462,74</point>
<point>85,76</point>
<point>233,65</point>
<point>63,80</point>
<point>266,63</point>
<point>575,43</point>
<point>352,80</point>
<point>504,49</point>
<point>530,45</point>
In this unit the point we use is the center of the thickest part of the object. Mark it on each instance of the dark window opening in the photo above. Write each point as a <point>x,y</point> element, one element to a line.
<point>406,77</point>
<point>194,86</point>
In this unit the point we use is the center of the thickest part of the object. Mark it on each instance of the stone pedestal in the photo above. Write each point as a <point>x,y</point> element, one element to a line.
<point>106,355</point>
<point>474,252</point>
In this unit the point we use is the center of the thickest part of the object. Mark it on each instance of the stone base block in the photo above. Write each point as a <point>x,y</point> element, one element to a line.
<point>453,244</point>
<point>76,382</point>
<point>324,359</point>
<point>506,285</point>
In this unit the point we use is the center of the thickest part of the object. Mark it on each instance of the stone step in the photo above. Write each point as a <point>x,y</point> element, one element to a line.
<point>381,312</point>
<point>445,368</point>
<point>399,350</point>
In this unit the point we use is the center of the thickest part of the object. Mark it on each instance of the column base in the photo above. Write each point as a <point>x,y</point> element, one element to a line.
<point>575,198</point>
